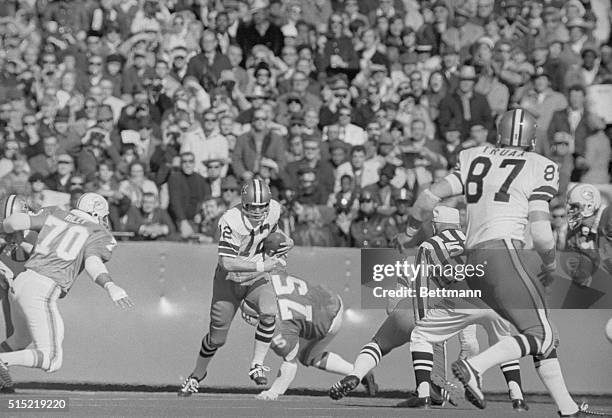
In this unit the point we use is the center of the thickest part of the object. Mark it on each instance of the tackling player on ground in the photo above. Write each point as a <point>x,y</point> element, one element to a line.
<point>507,187</point>
<point>310,317</point>
<point>68,242</point>
<point>242,274</point>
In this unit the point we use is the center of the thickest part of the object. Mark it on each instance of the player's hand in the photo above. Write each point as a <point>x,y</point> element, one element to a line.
<point>284,247</point>
<point>267,395</point>
<point>273,262</point>
<point>119,296</point>
<point>547,276</point>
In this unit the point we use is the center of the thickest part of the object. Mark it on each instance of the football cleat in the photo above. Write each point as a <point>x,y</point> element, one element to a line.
<point>415,402</point>
<point>471,383</point>
<point>343,387</point>
<point>6,382</point>
<point>440,395</point>
<point>370,384</point>
<point>519,405</point>
<point>190,386</point>
<point>258,374</point>
<point>584,411</point>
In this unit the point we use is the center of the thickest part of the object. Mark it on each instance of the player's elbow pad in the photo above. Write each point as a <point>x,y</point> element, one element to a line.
<point>95,267</point>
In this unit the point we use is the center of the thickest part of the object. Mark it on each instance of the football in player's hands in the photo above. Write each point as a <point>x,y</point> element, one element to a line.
<point>276,244</point>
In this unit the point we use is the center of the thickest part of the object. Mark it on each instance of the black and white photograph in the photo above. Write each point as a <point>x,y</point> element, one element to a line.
<point>306,208</point>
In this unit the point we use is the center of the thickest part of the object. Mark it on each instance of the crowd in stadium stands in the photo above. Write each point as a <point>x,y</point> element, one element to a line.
<point>346,108</point>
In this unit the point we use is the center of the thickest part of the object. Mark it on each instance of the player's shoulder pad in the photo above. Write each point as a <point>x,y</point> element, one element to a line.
<point>540,160</point>
<point>233,218</point>
<point>275,210</point>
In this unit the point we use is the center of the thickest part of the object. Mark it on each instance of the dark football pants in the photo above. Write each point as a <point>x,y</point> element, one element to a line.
<point>513,292</point>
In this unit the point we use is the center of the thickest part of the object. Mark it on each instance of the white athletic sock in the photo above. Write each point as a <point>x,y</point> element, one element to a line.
<point>423,390</point>
<point>368,358</point>
<point>505,350</point>
<point>25,358</point>
<point>515,390</point>
<point>550,373</point>
<point>260,349</point>
<point>333,363</point>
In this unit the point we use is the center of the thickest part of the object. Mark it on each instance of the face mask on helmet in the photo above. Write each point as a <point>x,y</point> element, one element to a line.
<point>582,204</point>
<point>256,212</point>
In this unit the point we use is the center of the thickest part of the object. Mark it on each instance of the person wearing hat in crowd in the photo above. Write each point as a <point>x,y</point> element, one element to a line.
<point>206,143</point>
<point>216,168</point>
<point>260,30</point>
<point>465,106</point>
<point>59,180</point>
<point>339,55</point>
<point>402,201</point>
<point>579,35</point>
<point>335,94</point>
<point>369,229</point>
<point>463,33</point>
<point>541,101</point>
<point>431,32</point>
<point>514,27</point>
<point>133,75</point>
<point>230,191</point>
<point>382,191</point>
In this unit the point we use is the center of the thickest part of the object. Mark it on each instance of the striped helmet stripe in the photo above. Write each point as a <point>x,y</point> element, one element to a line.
<point>8,205</point>
<point>258,193</point>
<point>516,127</point>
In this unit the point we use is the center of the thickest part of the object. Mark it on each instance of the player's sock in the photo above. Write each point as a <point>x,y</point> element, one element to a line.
<point>368,358</point>
<point>506,349</point>
<point>207,351</point>
<point>5,347</point>
<point>333,363</point>
<point>550,373</point>
<point>263,336</point>
<point>25,358</point>
<point>512,374</point>
<point>422,362</point>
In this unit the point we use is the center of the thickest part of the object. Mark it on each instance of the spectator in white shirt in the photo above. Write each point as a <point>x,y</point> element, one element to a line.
<point>206,144</point>
<point>350,133</point>
<point>365,172</point>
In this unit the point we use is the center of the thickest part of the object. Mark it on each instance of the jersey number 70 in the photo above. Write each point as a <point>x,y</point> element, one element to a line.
<point>63,238</point>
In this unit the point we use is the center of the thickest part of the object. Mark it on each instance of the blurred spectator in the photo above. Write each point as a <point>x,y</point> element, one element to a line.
<point>207,66</point>
<point>136,185</point>
<point>363,172</point>
<point>45,163</point>
<point>542,101</point>
<point>559,225</point>
<point>230,191</point>
<point>10,152</point>
<point>60,179</point>
<point>188,190</point>
<point>260,30</point>
<point>36,197</point>
<point>206,143</point>
<point>382,191</point>
<point>573,120</point>
<point>561,154</point>
<point>16,181</point>
<point>212,210</point>
<point>370,229</point>
<point>252,146</point>
<point>597,152</point>
<point>465,106</point>
<point>148,222</point>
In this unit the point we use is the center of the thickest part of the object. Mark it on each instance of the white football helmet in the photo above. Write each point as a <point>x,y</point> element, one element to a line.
<point>95,206</point>
<point>583,201</point>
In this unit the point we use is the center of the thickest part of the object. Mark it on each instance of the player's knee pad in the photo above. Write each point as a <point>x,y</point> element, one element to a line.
<point>217,338</point>
<point>267,320</point>
<point>319,360</point>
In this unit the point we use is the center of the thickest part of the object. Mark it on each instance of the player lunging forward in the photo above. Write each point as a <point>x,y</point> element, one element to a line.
<point>67,243</point>
<point>310,317</point>
<point>241,274</point>
<point>507,187</point>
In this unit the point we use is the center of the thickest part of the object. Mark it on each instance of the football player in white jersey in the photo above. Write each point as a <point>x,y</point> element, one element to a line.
<point>507,188</point>
<point>242,274</point>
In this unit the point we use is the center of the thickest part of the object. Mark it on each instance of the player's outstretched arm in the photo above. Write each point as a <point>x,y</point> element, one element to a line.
<point>240,264</point>
<point>98,272</point>
<point>16,222</point>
